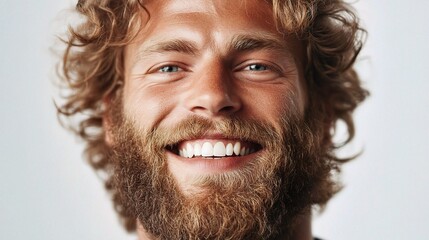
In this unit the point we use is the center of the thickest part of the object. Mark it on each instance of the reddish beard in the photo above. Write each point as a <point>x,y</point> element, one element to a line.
<point>260,201</point>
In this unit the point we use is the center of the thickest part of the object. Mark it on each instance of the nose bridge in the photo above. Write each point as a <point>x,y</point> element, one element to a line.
<point>211,91</point>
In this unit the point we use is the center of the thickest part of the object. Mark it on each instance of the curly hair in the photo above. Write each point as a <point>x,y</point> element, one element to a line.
<point>93,67</point>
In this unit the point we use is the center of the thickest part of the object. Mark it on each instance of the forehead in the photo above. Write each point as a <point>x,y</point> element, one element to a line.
<point>252,8</point>
<point>210,23</point>
<point>214,18</point>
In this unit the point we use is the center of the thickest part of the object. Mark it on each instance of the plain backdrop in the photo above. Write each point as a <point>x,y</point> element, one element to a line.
<point>47,190</point>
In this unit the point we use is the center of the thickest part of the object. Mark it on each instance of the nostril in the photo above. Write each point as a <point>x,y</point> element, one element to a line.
<point>227,109</point>
<point>215,108</point>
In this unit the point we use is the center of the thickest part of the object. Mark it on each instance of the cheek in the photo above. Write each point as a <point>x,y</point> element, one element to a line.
<point>273,102</point>
<point>149,105</point>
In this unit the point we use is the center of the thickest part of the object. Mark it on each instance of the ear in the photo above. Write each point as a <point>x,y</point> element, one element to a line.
<point>107,121</point>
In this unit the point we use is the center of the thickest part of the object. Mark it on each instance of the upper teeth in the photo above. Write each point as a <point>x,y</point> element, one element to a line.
<point>207,149</point>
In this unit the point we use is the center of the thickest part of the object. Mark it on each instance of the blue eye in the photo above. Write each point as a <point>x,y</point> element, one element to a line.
<point>169,69</point>
<point>256,67</point>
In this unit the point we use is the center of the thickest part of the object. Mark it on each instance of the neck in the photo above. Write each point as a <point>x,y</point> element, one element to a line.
<point>301,231</point>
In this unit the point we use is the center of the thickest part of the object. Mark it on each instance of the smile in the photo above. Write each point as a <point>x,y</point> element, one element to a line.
<point>215,148</point>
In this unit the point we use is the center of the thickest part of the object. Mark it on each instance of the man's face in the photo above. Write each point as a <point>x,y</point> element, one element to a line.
<point>209,137</point>
<point>211,59</point>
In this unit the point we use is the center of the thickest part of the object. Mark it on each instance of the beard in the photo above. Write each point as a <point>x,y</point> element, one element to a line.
<point>261,200</point>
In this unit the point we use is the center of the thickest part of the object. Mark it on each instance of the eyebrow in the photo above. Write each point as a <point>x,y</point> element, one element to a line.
<point>173,45</point>
<point>242,43</point>
<point>239,43</point>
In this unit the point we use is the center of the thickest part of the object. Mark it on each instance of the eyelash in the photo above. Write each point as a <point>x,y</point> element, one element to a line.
<point>247,68</point>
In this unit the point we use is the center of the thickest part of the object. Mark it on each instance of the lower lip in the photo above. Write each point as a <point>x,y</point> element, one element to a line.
<point>208,165</point>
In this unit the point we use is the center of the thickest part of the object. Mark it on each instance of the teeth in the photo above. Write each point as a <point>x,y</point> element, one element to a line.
<point>243,151</point>
<point>237,147</point>
<point>197,150</point>
<point>189,150</point>
<point>229,149</point>
<point>207,150</point>
<point>218,150</point>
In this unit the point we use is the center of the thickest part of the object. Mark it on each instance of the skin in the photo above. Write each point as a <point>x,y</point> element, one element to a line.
<point>212,59</point>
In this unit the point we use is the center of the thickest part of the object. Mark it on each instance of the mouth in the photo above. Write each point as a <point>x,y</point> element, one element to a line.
<point>214,148</point>
<point>211,154</point>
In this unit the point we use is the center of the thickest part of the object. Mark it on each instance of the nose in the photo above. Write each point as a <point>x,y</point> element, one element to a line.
<point>212,93</point>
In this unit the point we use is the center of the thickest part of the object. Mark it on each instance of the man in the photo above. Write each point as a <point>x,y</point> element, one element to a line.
<point>213,119</point>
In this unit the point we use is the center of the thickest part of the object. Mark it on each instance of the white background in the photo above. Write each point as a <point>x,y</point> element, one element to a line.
<point>47,191</point>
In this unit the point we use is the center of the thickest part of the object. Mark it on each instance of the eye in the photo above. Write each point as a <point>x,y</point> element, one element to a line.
<point>169,69</point>
<point>256,67</point>
<point>258,70</point>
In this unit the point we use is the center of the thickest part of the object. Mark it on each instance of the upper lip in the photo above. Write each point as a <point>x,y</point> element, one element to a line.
<point>211,135</point>
<point>220,137</point>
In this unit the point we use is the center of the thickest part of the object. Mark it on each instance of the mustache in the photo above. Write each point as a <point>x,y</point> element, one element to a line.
<point>194,127</point>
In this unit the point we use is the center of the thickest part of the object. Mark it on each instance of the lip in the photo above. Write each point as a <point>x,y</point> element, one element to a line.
<point>201,165</point>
